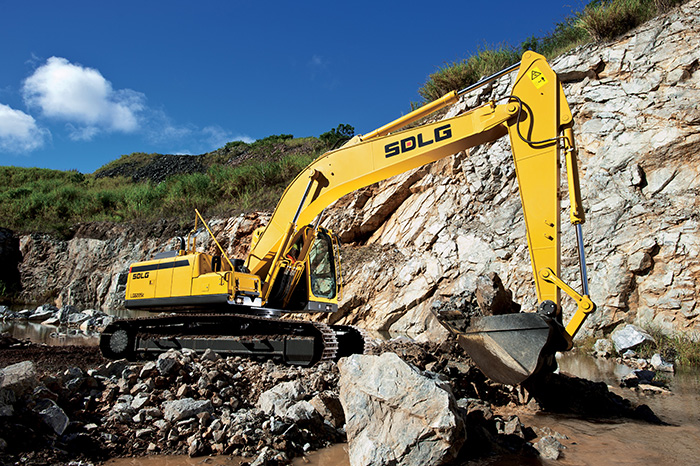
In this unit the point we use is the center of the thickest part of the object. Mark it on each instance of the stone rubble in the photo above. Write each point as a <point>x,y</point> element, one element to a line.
<point>197,404</point>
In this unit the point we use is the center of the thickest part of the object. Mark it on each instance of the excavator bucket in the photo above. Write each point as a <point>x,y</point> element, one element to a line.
<point>511,348</point>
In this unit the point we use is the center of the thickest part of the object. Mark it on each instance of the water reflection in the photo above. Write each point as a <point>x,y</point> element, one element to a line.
<point>594,369</point>
<point>50,335</point>
<point>59,336</point>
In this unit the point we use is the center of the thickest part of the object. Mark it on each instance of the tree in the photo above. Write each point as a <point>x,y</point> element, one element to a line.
<point>337,135</point>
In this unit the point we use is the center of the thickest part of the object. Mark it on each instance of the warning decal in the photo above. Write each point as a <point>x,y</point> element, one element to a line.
<point>537,77</point>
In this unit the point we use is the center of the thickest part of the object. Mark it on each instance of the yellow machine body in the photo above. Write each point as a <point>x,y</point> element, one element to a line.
<point>293,262</point>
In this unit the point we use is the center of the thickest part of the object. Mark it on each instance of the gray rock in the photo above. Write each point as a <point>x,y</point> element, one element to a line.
<point>395,415</point>
<point>52,321</point>
<point>17,380</point>
<point>639,262</point>
<point>6,410</point>
<point>603,348</point>
<point>659,364</point>
<point>139,401</point>
<point>41,315</point>
<point>77,319</point>
<point>149,369</point>
<point>167,363</point>
<point>53,416</point>
<point>263,457</point>
<point>327,404</point>
<point>302,411</point>
<point>492,297</point>
<point>276,401</point>
<point>549,447</point>
<point>177,410</point>
<point>629,337</point>
<point>46,308</point>
<point>113,368</point>
<point>66,311</point>
<point>210,355</point>
<point>637,377</point>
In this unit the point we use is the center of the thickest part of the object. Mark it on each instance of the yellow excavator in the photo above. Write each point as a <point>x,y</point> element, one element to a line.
<point>238,306</point>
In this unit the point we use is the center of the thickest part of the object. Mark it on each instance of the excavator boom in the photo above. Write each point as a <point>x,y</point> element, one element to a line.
<point>293,263</point>
<point>538,120</point>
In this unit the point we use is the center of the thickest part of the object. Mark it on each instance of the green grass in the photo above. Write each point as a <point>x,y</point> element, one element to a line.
<point>33,199</point>
<point>677,347</point>
<point>600,20</point>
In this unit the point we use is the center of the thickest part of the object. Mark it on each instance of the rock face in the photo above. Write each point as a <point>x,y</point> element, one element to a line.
<point>438,229</point>
<point>396,416</point>
<point>10,256</point>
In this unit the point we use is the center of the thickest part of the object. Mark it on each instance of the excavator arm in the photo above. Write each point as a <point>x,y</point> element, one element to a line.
<point>537,118</point>
<point>236,305</point>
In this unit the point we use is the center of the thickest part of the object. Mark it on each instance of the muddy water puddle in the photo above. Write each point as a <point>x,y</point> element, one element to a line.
<point>629,442</point>
<point>48,335</point>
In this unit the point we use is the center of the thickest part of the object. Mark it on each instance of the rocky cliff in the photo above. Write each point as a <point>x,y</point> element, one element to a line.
<point>423,239</point>
<point>439,228</point>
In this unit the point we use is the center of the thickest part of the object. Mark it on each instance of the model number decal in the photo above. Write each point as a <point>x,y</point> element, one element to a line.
<point>137,295</point>
<point>138,275</point>
<point>404,145</point>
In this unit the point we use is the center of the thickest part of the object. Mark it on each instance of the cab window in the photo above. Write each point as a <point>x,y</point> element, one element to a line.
<point>322,267</point>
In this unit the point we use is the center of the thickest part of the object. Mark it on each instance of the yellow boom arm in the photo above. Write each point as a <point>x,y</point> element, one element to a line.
<point>538,120</point>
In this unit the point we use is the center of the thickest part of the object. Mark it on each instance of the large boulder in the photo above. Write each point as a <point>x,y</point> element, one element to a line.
<point>277,400</point>
<point>17,379</point>
<point>629,337</point>
<point>53,416</point>
<point>395,415</point>
<point>177,410</point>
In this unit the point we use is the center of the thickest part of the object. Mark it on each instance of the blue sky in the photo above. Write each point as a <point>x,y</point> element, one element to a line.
<point>83,82</point>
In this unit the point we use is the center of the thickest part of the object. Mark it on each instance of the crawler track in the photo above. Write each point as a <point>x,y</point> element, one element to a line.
<point>294,342</point>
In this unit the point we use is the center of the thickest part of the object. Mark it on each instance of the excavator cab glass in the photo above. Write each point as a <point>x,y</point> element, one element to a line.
<point>322,278</point>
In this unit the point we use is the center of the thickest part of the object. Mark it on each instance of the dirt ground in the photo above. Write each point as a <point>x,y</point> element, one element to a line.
<point>53,359</point>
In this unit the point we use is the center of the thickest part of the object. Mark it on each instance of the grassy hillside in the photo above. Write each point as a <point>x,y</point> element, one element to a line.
<point>236,178</point>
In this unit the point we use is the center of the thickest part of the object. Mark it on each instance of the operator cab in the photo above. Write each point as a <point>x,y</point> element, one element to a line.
<point>308,277</point>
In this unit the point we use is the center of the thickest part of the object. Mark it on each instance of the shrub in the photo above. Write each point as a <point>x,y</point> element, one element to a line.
<point>461,74</point>
<point>337,135</point>
<point>676,347</point>
<point>605,20</point>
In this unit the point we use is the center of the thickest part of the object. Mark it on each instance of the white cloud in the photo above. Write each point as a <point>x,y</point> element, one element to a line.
<point>19,131</point>
<point>82,98</point>
<point>318,62</point>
